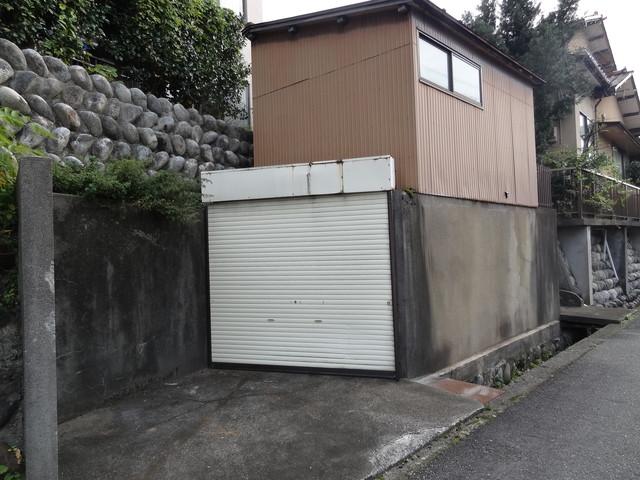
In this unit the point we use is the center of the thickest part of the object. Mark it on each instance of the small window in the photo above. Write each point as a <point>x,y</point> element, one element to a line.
<point>585,131</point>
<point>466,79</point>
<point>434,64</point>
<point>449,70</point>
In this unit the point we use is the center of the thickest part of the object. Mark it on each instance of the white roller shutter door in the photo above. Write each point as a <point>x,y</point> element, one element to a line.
<point>302,282</point>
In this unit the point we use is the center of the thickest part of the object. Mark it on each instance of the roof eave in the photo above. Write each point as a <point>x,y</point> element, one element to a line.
<point>381,5</point>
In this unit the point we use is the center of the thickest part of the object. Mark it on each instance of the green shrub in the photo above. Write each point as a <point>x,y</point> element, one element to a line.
<point>125,182</point>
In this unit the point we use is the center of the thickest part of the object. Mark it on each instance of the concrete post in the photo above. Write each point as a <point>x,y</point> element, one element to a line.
<point>40,404</point>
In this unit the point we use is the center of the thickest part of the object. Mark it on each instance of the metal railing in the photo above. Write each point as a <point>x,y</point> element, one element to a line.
<point>583,193</point>
<point>545,198</point>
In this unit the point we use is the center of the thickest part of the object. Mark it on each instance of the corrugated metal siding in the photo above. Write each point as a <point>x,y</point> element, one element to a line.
<point>467,152</point>
<point>330,93</point>
<point>302,282</point>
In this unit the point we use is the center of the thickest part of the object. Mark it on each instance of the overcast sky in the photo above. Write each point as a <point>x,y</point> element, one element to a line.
<point>622,18</point>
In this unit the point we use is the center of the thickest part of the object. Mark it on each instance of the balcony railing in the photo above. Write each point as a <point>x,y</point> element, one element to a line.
<point>580,193</point>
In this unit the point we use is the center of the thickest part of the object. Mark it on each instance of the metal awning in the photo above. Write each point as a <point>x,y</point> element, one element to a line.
<point>620,137</point>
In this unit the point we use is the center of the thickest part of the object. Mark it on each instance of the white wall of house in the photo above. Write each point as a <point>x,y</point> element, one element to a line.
<point>254,14</point>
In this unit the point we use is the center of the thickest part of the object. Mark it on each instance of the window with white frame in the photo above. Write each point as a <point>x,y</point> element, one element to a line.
<point>449,70</point>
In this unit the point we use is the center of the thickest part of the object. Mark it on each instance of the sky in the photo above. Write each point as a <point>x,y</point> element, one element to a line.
<point>622,18</point>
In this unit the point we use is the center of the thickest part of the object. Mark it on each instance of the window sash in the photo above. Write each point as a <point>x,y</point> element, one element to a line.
<point>453,80</point>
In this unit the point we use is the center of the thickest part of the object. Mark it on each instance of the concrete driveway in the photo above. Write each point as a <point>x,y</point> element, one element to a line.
<point>220,424</point>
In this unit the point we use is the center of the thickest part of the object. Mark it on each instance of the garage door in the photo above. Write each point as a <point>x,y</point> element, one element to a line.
<point>302,282</point>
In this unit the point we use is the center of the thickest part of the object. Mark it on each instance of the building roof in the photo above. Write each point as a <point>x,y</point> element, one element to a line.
<point>341,14</point>
<point>619,135</point>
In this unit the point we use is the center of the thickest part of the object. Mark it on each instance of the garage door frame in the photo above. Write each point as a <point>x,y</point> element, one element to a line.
<point>384,164</point>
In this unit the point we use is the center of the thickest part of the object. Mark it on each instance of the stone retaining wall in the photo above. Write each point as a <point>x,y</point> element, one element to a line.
<point>607,290</point>
<point>92,118</point>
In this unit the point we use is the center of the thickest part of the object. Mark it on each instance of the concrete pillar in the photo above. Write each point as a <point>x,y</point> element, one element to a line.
<point>576,245</point>
<point>40,403</point>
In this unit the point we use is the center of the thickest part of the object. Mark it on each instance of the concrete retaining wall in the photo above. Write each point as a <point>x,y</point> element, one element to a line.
<point>468,275</point>
<point>131,308</point>
<point>131,301</point>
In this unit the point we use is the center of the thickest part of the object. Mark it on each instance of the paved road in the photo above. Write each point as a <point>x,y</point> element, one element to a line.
<point>582,424</point>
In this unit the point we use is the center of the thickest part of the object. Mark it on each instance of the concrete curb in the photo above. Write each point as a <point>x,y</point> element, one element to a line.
<point>514,392</point>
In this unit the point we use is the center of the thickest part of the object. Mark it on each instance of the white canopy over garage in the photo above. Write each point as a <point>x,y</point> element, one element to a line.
<point>300,268</point>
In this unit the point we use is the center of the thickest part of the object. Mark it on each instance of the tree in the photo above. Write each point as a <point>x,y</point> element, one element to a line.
<point>485,23</point>
<point>517,25</point>
<point>541,44</point>
<point>190,50</point>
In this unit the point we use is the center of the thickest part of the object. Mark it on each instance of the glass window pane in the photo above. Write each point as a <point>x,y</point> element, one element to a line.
<point>434,64</point>
<point>466,79</point>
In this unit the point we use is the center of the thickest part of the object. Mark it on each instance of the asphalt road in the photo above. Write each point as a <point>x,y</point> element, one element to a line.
<point>582,424</point>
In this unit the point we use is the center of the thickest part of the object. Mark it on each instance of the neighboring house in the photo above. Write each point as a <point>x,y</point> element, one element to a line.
<point>251,11</point>
<point>609,118</point>
<point>445,240</point>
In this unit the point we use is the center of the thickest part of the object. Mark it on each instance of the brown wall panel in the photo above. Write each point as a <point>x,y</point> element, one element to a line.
<point>331,92</point>
<point>334,93</point>
<point>469,152</point>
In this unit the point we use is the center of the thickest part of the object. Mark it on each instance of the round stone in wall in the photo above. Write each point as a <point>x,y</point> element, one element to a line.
<point>21,80</point>
<point>183,129</point>
<point>48,88</point>
<point>58,140</point>
<point>148,138</point>
<point>40,106</point>
<point>57,68</point>
<point>6,71</point>
<point>192,148</point>
<point>178,144</point>
<point>138,97</point>
<point>81,145</point>
<point>164,142</point>
<point>67,116</point>
<point>195,116</point>
<point>95,102</point>
<point>92,122</point>
<point>121,91</point>
<point>73,162</point>
<point>130,133</point>
<point>11,99</point>
<point>147,119</point>
<point>176,163</point>
<point>80,77</point>
<point>166,124</point>
<point>102,85</point>
<point>190,168</point>
<point>12,54</point>
<point>111,128</point>
<point>129,112</point>
<point>73,95</point>
<point>102,149</point>
<point>181,113</point>
<point>112,109</point>
<point>31,135</point>
<point>209,137</point>
<point>160,160</point>
<point>35,62</point>
<point>121,150</point>
<point>141,152</point>
<point>209,122</point>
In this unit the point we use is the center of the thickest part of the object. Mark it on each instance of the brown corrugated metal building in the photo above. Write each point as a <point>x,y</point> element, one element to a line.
<point>347,83</point>
<point>473,259</point>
